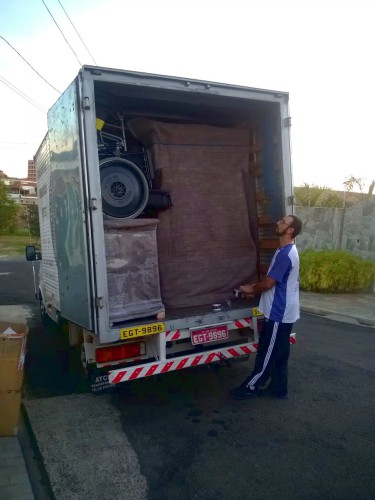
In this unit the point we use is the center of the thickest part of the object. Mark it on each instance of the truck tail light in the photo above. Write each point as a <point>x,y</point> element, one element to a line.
<point>123,351</point>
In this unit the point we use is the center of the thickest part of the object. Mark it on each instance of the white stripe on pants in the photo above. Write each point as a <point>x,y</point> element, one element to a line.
<point>252,382</point>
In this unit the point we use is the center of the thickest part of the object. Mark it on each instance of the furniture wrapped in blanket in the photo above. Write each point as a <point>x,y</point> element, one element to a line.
<point>132,269</point>
<point>205,245</point>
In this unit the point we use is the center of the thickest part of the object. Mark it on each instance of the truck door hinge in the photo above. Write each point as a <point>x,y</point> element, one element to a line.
<point>86,103</point>
<point>288,121</point>
<point>93,204</point>
<point>99,302</point>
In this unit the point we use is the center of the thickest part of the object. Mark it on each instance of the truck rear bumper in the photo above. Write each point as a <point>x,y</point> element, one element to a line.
<point>178,363</point>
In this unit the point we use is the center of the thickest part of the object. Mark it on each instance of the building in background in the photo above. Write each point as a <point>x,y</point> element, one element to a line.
<point>23,191</point>
<point>31,171</point>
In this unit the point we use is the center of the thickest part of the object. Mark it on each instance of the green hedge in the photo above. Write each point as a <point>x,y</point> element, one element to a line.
<point>334,271</point>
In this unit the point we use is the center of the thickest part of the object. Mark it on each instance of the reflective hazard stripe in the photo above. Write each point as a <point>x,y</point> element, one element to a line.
<point>149,369</point>
<point>172,335</point>
<point>131,373</point>
<point>242,323</point>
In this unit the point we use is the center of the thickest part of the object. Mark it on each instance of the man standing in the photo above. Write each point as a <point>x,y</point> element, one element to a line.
<point>279,304</point>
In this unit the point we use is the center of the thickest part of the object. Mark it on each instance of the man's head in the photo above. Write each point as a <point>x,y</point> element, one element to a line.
<point>289,225</point>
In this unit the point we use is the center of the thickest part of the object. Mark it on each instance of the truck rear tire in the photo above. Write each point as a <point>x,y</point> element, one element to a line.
<point>43,312</point>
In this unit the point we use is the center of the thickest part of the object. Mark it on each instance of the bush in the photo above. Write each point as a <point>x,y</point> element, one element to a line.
<point>335,271</point>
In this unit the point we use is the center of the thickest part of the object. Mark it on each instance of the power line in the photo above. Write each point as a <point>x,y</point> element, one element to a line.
<point>22,94</point>
<point>77,33</point>
<point>71,48</point>
<point>27,62</point>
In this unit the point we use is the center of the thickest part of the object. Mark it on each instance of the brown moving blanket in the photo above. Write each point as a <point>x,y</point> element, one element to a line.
<point>205,246</point>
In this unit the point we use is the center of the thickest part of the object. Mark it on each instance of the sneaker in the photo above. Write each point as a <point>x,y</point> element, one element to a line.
<point>244,393</point>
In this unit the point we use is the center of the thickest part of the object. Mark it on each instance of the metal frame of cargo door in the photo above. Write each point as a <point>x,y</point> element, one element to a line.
<point>94,197</point>
<point>286,155</point>
<point>90,74</point>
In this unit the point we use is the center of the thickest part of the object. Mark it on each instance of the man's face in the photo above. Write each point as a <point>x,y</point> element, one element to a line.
<point>283,225</point>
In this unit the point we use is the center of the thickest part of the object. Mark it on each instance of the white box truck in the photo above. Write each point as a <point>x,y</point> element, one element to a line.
<point>157,199</point>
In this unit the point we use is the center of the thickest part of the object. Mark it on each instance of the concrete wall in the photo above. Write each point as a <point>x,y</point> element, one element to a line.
<point>351,229</point>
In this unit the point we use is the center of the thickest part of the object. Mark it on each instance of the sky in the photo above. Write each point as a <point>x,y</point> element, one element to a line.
<point>320,51</point>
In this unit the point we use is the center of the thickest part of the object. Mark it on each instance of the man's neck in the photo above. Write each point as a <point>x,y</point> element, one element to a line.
<point>285,240</point>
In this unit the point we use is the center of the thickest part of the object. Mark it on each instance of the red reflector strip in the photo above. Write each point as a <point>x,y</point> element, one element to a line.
<point>172,335</point>
<point>119,377</point>
<point>181,364</point>
<point>246,350</point>
<point>135,373</point>
<point>151,370</point>
<point>233,352</point>
<point>196,360</point>
<point>242,323</point>
<point>210,357</point>
<point>166,367</point>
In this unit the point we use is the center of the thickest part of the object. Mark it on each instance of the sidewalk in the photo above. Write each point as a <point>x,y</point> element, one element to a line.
<point>358,307</point>
<point>14,479</point>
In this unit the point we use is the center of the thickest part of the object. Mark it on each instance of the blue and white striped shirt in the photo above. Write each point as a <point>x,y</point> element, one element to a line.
<point>281,302</point>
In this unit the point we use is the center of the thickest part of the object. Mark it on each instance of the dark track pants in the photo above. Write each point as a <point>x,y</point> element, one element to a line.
<point>272,358</point>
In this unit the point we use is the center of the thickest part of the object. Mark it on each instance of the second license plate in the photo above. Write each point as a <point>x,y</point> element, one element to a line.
<point>211,334</point>
<point>141,330</point>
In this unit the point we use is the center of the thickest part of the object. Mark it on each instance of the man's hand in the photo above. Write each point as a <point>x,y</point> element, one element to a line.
<point>257,288</point>
<point>247,291</point>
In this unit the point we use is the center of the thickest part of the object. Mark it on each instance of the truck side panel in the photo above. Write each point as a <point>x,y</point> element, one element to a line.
<point>50,280</point>
<point>68,210</point>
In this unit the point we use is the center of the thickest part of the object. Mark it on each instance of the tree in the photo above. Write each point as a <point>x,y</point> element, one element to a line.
<point>353,181</point>
<point>310,195</point>
<point>8,210</point>
<point>30,215</point>
<point>330,199</point>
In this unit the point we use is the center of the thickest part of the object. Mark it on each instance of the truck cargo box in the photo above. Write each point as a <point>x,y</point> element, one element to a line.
<point>157,198</point>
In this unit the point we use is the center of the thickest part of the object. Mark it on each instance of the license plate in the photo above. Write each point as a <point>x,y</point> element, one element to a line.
<point>209,334</point>
<point>141,330</point>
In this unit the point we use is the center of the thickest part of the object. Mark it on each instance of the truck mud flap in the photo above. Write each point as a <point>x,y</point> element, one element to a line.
<point>98,381</point>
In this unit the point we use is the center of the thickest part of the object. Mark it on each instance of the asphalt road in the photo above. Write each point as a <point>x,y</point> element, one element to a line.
<point>189,440</point>
<point>16,281</point>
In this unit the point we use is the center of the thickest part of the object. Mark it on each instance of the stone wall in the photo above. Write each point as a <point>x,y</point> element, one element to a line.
<point>351,229</point>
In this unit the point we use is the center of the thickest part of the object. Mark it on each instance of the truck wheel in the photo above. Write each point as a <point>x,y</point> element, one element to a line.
<point>43,313</point>
<point>124,188</point>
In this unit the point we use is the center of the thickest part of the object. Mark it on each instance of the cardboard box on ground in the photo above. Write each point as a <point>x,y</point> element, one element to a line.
<point>12,356</point>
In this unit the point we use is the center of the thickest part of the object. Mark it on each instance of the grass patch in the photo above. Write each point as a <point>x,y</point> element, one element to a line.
<point>335,271</point>
<point>14,244</point>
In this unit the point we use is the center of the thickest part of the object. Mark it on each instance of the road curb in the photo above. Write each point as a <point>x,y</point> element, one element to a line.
<point>39,478</point>
<point>345,317</point>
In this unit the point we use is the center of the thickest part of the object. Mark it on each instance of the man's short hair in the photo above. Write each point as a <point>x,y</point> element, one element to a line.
<point>296,225</point>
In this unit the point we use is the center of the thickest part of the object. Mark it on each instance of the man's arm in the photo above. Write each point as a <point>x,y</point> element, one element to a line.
<point>261,286</point>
